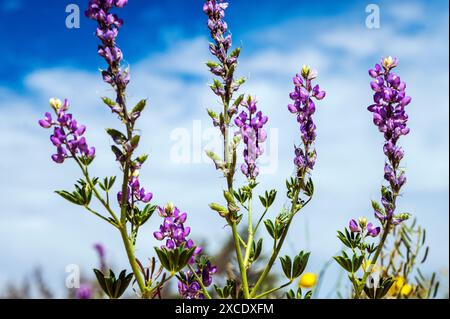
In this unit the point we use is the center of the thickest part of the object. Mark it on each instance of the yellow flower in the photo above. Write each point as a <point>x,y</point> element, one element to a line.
<point>406,290</point>
<point>308,280</point>
<point>400,286</point>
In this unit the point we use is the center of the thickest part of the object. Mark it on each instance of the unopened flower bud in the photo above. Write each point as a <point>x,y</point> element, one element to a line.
<point>169,208</point>
<point>55,103</point>
<point>363,222</point>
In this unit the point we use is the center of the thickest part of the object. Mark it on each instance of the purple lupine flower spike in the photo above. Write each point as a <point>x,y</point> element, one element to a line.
<point>68,134</point>
<point>304,107</point>
<point>389,115</point>
<point>251,129</point>
<point>107,31</point>
<point>174,231</point>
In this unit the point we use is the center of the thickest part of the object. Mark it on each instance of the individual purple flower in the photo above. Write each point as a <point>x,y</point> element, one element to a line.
<point>108,26</point>
<point>68,134</point>
<point>190,288</point>
<point>135,192</point>
<point>251,129</point>
<point>372,230</point>
<point>84,292</point>
<point>363,227</point>
<point>353,225</point>
<point>304,107</point>
<point>389,115</point>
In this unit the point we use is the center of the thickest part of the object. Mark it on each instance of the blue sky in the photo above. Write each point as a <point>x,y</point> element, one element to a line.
<point>165,42</point>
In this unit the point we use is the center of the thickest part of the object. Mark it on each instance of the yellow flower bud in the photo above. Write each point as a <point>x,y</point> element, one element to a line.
<point>308,280</point>
<point>305,71</point>
<point>55,103</point>
<point>388,61</point>
<point>169,208</point>
<point>363,222</point>
<point>136,173</point>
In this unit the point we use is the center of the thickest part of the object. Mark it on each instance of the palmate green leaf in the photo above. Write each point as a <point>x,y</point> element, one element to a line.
<point>69,197</point>
<point>286,265</point>
<point>174,260</point>
<point>270,228</point>
<point>300,263</point>
<point>107,183</point>
<point>112,286</point>
<point>379,290</point>
<point>356,262</point>
<point>309,188</point>
<point>344,262</point>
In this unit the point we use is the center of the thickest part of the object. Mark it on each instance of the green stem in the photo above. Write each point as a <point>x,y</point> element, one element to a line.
<point>277,249</point>
<point>273,290</point>
<point>251,233</point>
<point>100,216</point>
<point>132,260</point>
<point>260,220</point>
<point>200,282</point>
<point>96,193</point>
<point>240,261</point>
<point>362,284</point>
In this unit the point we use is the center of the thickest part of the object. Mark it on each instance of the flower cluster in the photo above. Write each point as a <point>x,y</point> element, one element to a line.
<point>215,10</point>
<point>251,129</point>
<point>135,192</point>
<point>68,135</point>
<point>173,229</point>
<point>304,107</point>
<point>389,115</point>
<point>107,31</point>
<point>363,227</point>
<point>190,288</point>
<point>175,233</point>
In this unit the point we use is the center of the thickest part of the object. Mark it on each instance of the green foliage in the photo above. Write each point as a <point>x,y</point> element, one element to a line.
<point>350,239</point>
<point>82,195</point>
<point>174,260</point>
<point>140,106</point>
<point>380,289</point>
<point>112,286</point>
<point>293,270</point>
<point>107,183</point>
<point>268,199</point>
<point>291,294</point>
<point>350,265</point>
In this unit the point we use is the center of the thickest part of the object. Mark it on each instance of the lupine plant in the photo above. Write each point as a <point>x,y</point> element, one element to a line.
<point>389,115</point>
<point>240,121</point>
<point>134,202</point>
<point>242,124</point>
